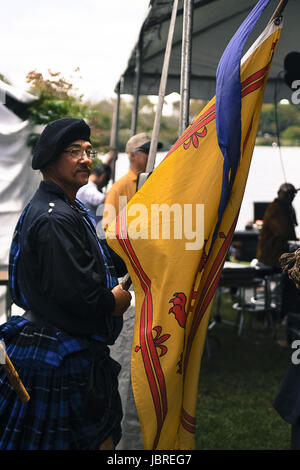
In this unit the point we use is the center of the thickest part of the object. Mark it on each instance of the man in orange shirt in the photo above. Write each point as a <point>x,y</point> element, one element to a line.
<point>123,190</point>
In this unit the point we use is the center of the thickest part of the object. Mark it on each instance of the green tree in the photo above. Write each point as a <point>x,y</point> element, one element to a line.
<point>291,134</point>
<point>288,115</point>
<point>56,98</point>
<point>100,121</point>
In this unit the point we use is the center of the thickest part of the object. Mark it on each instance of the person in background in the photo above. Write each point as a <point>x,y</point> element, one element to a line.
<point>287,401</point>
<point>91,194</point>
<point>65,279</point>
<point>278,227</point>
<point>277,230</point>
<point>123,190</point>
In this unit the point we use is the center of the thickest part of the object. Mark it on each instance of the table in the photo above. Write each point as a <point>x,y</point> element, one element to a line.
<point>245,242</point>
<point>242,285</point>
<point>242,277</point>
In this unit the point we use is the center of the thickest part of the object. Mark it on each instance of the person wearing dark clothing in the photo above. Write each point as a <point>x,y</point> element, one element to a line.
<point>91,194</point>
<point>287,401</point>
<point>65,279</point>
<point>277,230</point>
<point>278,227</point>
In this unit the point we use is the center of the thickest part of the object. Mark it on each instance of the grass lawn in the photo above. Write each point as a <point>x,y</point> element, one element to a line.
<point>237,386</point>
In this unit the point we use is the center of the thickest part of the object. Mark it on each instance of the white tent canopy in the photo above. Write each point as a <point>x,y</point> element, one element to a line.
<point>17,180</point>
<point>214,24</point>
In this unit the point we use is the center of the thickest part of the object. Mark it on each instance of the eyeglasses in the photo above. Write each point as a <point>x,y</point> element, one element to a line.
<point>78,153</point>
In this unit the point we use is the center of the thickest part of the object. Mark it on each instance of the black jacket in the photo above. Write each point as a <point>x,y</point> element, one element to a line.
<point>278,228</point>
<point>60,268</point>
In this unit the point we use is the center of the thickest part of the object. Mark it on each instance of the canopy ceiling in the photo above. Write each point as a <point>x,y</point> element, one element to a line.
<point>215,22</point>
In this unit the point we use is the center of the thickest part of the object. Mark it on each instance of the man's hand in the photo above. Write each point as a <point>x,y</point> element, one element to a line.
<point>122,299</point>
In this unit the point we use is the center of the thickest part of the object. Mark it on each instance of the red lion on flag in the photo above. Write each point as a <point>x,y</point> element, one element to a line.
<point>179,302</point>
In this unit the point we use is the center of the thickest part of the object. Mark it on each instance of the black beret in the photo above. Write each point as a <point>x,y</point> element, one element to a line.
<point>56,137</point>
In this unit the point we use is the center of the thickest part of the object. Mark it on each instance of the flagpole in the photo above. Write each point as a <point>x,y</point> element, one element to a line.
<point>162,90</point>
<point>279,10</point>
<point>186,59</point>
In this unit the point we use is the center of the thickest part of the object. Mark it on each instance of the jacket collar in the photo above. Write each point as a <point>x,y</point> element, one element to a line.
<point>53,188</point>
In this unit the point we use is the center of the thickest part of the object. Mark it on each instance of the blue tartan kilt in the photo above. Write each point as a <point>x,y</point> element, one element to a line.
<point>73,387</point>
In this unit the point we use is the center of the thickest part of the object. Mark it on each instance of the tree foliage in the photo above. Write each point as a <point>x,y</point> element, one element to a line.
<point>57,98</point>
<point>288,115</point>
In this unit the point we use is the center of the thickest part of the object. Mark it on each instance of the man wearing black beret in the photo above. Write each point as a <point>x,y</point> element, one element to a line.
<point>65,279</point>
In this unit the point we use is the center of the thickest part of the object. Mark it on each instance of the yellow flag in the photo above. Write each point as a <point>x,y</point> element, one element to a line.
<point>174,235</point>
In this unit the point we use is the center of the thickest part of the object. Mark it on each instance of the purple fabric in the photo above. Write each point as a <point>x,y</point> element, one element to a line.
<point>228,101</point>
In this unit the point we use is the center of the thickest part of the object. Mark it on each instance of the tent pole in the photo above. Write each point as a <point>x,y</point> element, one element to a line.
<point>186,60</point>
<point>114,144</point>
<point>137,85</point>
<point>162,90</point>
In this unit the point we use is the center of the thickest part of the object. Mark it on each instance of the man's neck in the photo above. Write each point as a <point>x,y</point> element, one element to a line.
<point>136,171</point>
<point>69,191</point>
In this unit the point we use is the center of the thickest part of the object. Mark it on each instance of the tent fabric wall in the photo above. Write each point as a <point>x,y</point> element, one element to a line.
<point>215,22</point>
<point>18,181</point>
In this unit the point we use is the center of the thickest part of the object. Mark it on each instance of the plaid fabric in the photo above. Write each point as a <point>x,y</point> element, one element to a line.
<point>66,410</point>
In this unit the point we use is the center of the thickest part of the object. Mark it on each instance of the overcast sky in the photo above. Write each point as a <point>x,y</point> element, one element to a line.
<point>95,35</point>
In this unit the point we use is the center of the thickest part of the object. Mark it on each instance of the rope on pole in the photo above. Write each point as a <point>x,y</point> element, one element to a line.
<point>276,15</point>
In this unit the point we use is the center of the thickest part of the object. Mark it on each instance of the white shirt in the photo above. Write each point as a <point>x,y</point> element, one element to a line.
<point>90,195</point>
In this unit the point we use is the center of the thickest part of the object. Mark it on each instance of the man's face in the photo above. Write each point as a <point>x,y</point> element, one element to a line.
<point>141,159</point>
<point>73,170</point>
